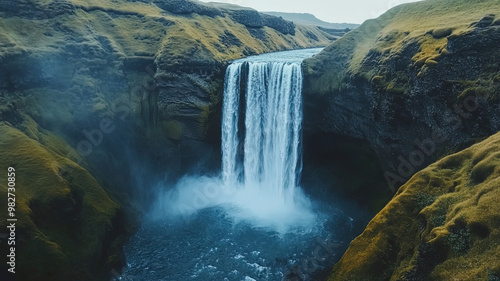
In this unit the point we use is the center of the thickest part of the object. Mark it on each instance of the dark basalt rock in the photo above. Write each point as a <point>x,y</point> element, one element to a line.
<point>253,19</point>
<point>486,21</point>
<point>474,41</point>
<point>59,7</point>
<point>86,66</point>
<point>178,6</point>
<point>278,23</point>
<point>229,39</point>
<point>30,10</point>
<point>249,18</point>
<point>187,7</point>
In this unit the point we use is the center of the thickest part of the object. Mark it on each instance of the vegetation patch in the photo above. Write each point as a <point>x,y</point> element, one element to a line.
<point>64,216</point>
<point>426,24</point>
<point>443,230</point>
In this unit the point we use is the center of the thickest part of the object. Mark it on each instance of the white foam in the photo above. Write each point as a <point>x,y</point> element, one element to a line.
<point>238,257</point>
<point>256,205</point>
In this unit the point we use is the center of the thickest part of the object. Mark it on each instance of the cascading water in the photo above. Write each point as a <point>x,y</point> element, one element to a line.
<point>272,133</point>
<point>261,148</point>
<point>230,124</point>
<point>253,222</point>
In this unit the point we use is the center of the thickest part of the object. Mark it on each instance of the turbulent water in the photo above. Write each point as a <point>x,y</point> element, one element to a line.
<point>253,222</point>
<point>261,137</point>
<point>272,132</point>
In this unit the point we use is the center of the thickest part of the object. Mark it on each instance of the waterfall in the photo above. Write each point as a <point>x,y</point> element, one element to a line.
<point>271,156</point>
<point>261,149</point>
<point>230,123</point>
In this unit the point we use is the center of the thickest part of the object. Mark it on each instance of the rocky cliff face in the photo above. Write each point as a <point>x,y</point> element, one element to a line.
<point>168,55</point>
<point>443,224</point>
<point>103,94</point>
<point>416,83</point>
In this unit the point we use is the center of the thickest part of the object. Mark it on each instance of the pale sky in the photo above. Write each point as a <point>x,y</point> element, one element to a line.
<point>338,11</point>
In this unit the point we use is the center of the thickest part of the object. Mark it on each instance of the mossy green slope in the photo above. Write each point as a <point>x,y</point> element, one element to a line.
<point>133,28</point>
<point>211,40</point>
<point>444,224</point>
<point>65,219</point>
<point>428,24</point>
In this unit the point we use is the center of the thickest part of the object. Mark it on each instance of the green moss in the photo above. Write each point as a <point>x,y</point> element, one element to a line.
<point>443,222</point>
<point>484,168</point>
<point>423,200</point>
<point>63,214</point>
<point>459,240</point>
<point>205,113</point>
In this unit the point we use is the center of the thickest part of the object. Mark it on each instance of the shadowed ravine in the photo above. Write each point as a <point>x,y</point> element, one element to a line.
<point>254,221</point>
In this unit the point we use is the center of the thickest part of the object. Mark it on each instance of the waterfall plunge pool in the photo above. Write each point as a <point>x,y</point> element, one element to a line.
<point>253,222</point>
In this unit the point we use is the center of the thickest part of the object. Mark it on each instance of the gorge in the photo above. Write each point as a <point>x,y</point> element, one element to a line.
<point>253,222</point>
<point>158,126</point>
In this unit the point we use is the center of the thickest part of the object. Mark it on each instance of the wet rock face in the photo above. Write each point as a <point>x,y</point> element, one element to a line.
<point>186,101</point>
<point>413,112</point>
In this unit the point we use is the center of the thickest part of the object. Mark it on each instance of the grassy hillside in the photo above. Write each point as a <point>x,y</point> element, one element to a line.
<point>133,28</point>
<point>66,223</point>
<point>398,79</point>
<point>428,25</point>
<point>443,224</point>
<point>92,55</point>
<point>205,39</point>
